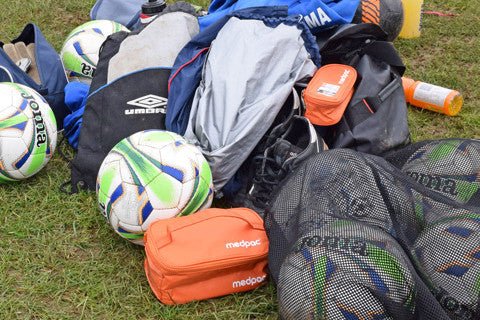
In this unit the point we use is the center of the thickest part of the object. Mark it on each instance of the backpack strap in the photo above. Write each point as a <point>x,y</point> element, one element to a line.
<point>5,75</point>
<point>386,92</point>
<point>364,108</point>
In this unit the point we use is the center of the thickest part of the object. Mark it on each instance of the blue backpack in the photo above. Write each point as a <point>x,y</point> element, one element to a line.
<point>125,12</point>
<point>45,74</point>
<point>318,14</point>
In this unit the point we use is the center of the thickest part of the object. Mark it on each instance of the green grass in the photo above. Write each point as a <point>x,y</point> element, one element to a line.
<point>60,260</point>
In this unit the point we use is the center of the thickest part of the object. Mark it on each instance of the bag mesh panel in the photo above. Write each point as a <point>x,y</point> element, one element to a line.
<point>448,166</point>
<point>353,237</point>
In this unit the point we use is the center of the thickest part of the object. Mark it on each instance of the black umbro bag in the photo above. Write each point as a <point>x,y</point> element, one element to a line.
<point>375,120</point>
<point>116,110</point>
<point>129,90</point>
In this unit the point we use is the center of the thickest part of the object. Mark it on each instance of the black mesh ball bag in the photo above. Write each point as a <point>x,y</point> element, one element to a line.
<point>354,237</point>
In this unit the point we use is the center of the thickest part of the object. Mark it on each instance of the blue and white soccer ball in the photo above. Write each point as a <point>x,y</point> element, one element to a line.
<point>152,175</point>
<point>81,48</point>
<point>28,132</point>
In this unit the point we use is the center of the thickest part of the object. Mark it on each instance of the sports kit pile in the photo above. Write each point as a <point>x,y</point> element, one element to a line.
<point>259,141</point>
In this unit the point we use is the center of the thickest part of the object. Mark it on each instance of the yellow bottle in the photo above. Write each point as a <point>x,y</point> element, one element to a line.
<point>412,14</point>
<point>431,97</point>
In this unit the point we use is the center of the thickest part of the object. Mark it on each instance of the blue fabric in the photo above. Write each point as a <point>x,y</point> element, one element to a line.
<point>50,69</point>
<point>318,14</point>
<point>125,12</point>
<point>76,94</point>
<point>187,70</point>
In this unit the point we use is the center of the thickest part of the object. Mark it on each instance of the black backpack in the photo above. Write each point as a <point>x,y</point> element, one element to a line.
<point>129,90</point>
<point>375,120</point>
<point>115,110</point>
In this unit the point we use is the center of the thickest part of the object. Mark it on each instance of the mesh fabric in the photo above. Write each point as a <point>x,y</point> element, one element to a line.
<point>354,237</point>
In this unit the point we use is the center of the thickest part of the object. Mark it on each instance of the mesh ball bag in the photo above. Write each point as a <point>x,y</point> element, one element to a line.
<point>354,237</point>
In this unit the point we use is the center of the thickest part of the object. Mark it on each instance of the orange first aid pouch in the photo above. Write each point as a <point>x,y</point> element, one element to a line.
<point>208,254</point>
<point>328,94</point>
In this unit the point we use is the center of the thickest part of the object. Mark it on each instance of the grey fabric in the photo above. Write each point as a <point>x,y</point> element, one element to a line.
<point>155,46</point>
<point>248,75</point>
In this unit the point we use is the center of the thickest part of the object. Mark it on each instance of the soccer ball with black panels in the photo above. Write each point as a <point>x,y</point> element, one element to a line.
<point>447,253</point>
<point>346,270</point>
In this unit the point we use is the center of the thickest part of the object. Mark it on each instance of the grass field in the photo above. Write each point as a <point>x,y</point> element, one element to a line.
<point>60,260</point>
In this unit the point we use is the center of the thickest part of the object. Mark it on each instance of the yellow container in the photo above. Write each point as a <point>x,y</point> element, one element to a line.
<point>412,12</point>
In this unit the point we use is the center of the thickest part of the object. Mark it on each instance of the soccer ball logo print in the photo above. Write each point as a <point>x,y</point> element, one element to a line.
<point>28,133</point>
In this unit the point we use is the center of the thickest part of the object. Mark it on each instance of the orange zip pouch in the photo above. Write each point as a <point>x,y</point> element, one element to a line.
<point>208,254</point>
<point>328,94</point>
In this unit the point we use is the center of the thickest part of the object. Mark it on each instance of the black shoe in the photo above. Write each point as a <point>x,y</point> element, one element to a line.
<point>242,180</point>
<point>299,142</point>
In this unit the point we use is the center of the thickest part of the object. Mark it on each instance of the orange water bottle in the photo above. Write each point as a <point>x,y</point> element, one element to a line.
<point>432,97</point>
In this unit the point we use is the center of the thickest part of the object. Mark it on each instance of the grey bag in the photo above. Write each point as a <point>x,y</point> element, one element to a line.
<point>249,73</point>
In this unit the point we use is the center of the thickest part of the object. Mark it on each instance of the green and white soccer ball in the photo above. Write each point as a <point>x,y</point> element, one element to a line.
<point>81,48</point>
<point>346,271</point>
<point>28,132</point>
<point>152,175</point>
<point>448,254</point>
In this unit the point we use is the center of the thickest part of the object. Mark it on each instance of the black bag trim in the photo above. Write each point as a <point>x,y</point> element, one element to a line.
<point>106,121</point>
<point>122,77</point>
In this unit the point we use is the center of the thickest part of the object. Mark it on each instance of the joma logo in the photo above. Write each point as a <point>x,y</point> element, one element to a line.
<point>332,242</point>
<point>434,182</point>
<point>317,18</point>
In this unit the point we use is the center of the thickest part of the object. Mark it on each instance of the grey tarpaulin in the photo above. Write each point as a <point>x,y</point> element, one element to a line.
<point>249,72</point>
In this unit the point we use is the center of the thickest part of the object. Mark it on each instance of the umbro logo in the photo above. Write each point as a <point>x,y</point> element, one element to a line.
<point>148,104</point>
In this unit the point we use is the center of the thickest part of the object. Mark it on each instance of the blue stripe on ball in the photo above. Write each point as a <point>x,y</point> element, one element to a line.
<point>459,231</point>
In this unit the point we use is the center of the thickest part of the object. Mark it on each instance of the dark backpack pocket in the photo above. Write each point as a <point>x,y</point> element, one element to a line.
<point>132,103</point>
<point>375,121</point>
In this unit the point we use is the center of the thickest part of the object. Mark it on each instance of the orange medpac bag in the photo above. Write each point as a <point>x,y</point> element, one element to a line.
<point>208,254</point>
<point>328,93</point>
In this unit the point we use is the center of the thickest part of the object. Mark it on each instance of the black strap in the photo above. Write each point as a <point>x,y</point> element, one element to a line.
<point>363,109</point>
<point>66,187</point>
<point>385,93</point>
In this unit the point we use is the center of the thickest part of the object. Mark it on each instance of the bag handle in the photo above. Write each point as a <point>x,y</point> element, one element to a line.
<point>183,222</point>
<point>363,109</point>
<point>385,93</point>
